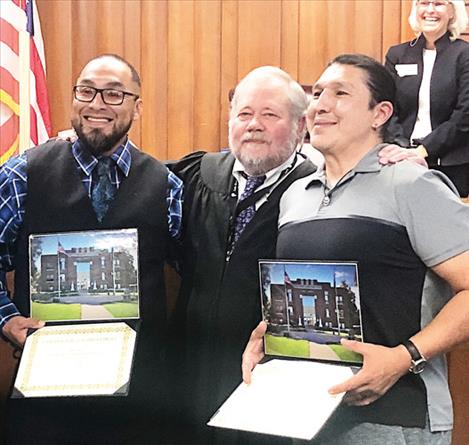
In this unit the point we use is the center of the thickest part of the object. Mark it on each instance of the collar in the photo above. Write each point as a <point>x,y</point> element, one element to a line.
<point>368,164</point>
<point>88,162</point>
<point>441,44</point>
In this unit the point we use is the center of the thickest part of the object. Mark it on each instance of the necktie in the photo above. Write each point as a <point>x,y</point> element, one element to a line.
<point>245,216</point>
<point>103,191</point>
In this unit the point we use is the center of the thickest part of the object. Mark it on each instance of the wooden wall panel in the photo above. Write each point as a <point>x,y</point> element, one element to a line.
<point>229,62</point>
<point>154,74</point>
<point>259,34</point>
<point>391,25</point>
<point>190,53</point>
<point>180,77</point>
<point>207,93</point>
<point>289,47</point>
<point>312,45</point>
<point>369,13</point>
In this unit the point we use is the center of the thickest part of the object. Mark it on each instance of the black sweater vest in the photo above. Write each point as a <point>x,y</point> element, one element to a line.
<point>58,202</point>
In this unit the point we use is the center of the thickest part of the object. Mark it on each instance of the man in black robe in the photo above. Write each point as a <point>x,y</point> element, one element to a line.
<point>225,233</point>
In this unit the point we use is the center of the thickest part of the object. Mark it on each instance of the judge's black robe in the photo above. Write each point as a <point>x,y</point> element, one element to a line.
<point>219,304</point>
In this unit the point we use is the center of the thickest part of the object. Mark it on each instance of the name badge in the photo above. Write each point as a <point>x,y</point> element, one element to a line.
<point>406,69</point>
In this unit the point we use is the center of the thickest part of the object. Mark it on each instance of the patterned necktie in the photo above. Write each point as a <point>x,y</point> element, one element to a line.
<point>243,218</point>
<point>103,191</point>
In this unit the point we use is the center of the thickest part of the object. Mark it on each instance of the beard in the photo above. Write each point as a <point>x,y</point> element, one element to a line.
<point>98,142</point>
<point>257,165</point>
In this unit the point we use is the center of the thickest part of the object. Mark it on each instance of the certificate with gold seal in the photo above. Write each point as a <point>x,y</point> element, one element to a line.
<point>76,360</point>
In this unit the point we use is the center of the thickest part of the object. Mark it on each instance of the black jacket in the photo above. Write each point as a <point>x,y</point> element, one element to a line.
<point>220,300</point>
<point>449,98</point>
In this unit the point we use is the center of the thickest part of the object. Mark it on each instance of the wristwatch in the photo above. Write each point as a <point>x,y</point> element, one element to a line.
<point>418,362</point>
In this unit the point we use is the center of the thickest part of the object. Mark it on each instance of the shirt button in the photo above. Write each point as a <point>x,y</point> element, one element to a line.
<point>326,201</point>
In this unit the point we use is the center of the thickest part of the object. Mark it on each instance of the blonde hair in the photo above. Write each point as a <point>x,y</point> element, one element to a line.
<point>455,26</point>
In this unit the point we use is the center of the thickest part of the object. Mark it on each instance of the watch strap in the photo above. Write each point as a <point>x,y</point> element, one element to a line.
<point>413,351</point>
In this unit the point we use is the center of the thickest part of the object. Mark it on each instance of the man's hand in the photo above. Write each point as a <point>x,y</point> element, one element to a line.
<point>391,154</point>
<point>254,351</point>
<point>382,367</point>
<point>16,328</point>
<point>68,135</point>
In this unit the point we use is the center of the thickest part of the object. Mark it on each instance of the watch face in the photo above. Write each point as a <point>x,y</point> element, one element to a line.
<point>418,366</point>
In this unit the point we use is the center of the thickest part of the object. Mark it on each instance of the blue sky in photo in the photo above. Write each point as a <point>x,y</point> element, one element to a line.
<point>102,239</point>
<point>323,272</point>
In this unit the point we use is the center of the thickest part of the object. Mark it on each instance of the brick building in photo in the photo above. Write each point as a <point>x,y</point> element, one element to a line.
<point>87,269</point>
<point>333,307</point>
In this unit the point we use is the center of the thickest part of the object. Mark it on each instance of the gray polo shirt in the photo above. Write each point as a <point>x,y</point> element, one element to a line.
<point>407,204</point>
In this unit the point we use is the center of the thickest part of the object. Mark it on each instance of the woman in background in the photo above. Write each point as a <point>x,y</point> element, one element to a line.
<point>431,74</point>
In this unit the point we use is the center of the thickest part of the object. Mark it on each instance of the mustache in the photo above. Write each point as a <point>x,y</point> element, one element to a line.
<point>254,137</point>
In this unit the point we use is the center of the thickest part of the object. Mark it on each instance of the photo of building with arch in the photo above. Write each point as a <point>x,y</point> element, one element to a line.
<point>85,275</point>
<point>310,307</point>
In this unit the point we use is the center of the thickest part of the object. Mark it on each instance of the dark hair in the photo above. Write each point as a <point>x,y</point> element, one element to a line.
<point>378,79</point>
<point>133,71</point>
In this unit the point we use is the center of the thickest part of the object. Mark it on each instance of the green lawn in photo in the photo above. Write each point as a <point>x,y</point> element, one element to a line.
<point>346,355</point>
<point>286,346</point>
<point>56,311</point>
<point>122,310</point>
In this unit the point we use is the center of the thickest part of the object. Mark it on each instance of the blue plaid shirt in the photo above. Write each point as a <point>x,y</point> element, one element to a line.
<point>13,193</point>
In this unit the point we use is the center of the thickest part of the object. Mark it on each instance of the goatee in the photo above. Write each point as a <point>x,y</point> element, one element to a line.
<point>96,141</point>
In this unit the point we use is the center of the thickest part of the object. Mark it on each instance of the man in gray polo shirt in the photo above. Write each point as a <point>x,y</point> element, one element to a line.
<point>409,232</point>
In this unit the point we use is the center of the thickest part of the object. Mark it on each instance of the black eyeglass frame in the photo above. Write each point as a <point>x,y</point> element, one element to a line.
<point>100,91</point>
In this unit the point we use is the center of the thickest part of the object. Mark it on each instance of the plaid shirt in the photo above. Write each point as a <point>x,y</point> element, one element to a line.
<point>13,193</point>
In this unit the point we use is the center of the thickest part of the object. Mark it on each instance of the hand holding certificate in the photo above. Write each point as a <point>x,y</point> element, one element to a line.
<point>265,405</point>
<point>308,309</point>
<point>78,276</point>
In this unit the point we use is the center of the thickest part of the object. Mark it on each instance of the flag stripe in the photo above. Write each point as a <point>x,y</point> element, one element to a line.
<point>8,137</point>
<point>12,151</point>
<point>41,86</point>
<point>10,85</point>
<point>18,16</point>
<point>9,35</point>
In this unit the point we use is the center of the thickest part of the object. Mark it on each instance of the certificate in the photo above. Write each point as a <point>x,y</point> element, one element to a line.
<point>285,398</point>
<point>76,360</point>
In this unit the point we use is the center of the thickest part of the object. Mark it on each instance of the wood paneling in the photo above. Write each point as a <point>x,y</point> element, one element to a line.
<point>153,50</point>
<point>190,53</point>
<point>457,361</point>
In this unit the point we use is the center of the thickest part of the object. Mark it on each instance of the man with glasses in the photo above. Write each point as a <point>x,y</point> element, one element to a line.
<point>94,183</point>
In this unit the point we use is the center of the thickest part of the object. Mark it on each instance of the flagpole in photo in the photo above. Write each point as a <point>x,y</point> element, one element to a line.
<point>58,268</point>
<point>336,303</point>
<point>113,271</point>
<point>286,280</point>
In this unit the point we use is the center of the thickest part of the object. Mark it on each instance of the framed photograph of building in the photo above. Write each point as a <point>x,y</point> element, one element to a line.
<point>82,276</point>
<point>309,307</point>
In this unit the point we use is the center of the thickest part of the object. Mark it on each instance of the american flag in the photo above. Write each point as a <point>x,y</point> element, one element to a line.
<point>19,20</point>
<point>60,248</point>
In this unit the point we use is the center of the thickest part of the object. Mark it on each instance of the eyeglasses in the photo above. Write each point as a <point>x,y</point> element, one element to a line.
<point>109,96</point>
<point>437,4</point>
